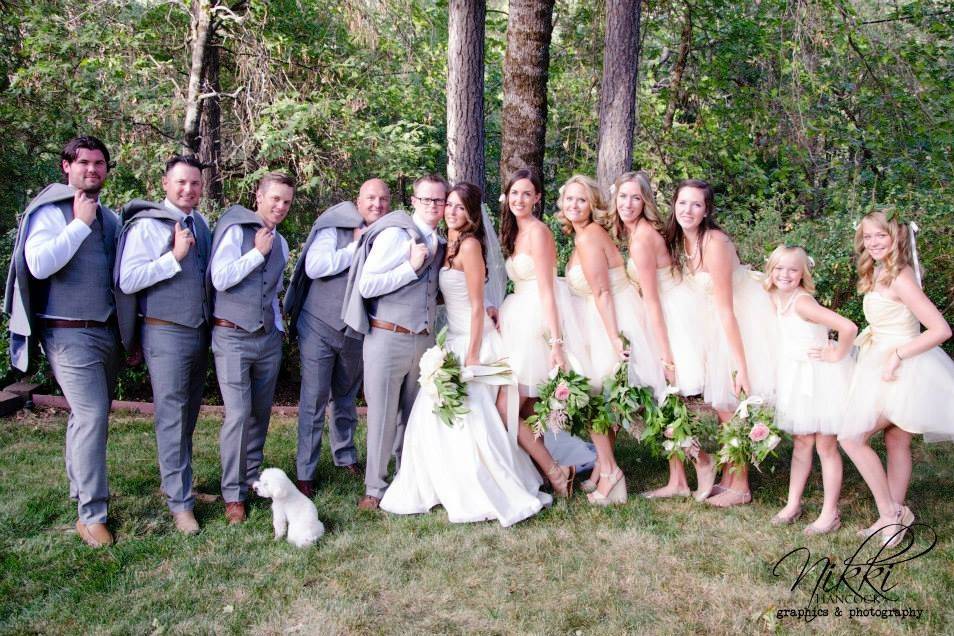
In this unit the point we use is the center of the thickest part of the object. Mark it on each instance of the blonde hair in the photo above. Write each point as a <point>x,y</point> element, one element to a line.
<point>807,283</point>
<point>897,258</point>
<point>650,209</point>
<point>594,196</point>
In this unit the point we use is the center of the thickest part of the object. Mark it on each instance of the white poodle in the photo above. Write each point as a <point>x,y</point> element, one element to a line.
<point>291,510</point>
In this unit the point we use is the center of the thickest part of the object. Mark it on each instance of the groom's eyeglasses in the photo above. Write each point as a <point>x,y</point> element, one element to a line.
<point>428,201</point>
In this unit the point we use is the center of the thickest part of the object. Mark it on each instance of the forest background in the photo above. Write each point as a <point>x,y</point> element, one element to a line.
<point>802,114</point>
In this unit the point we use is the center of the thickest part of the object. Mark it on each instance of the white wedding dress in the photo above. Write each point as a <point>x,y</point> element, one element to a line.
<point>475,468</point>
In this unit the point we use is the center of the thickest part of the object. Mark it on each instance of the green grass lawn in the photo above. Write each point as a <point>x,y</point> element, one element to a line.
<point>646,567</point>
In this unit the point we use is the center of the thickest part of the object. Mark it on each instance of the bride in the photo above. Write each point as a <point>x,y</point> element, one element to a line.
<point>473,468</point>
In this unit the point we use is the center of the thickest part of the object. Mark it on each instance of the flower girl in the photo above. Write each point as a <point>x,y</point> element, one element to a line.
<point>903,383</point>
<point>813,378</point>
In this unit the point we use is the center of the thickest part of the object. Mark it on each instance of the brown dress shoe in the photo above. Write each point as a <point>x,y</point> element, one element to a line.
<point>355,469</point>
<point>235,512</point>
<point>185,522</point>
<point>369,502</point>
<point>306,487</point>
<point>95,535</point>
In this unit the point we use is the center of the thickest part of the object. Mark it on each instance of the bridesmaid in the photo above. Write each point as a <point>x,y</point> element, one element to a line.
<point>740,332</point>
<point>609,307</point>
<point>534,332</point>
<point>903,383</point>
<point>671,307</point>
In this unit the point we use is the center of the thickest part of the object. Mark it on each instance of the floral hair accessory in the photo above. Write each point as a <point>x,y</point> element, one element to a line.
<point>502,197</point>
<point>811,263</point>
<point>612,188</point>
<point>561,189</point>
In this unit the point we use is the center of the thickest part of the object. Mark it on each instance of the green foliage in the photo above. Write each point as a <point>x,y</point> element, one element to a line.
<point>441,380</point>
<point>749,437</point>
<point>566,404</point>
<point>800,114</point>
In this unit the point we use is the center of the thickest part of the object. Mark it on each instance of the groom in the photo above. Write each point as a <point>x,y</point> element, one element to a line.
<point>392,298</point>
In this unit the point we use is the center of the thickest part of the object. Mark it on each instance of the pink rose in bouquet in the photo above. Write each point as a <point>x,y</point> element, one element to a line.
<point>669,433</point>
<point>759,432</point>
<point>562,391</point>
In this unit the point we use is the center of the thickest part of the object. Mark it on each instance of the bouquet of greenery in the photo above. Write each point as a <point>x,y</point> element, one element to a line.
<point>565,404</point>
<point>673,430</point>
<point>750,436</point>
<point>441,380</point>
<point>624,405</point>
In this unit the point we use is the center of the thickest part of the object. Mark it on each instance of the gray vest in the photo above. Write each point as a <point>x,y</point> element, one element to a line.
<point>182,298</point>
<point>326,295</point>
<point>413,306</point>
<point>249,302</point>
<point>82,289</point>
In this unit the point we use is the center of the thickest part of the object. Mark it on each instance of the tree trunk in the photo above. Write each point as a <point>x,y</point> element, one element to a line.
<point>618,90</point>
<point>465,91</point>
<point>210,128</point>
<point>675,85</point>
<point>526,66</point>
<point>201,34</point>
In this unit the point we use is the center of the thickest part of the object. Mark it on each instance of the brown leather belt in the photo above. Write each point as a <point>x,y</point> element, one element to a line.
<point>58,323</point>
<point>157,321</point>
<point>390,326</point>
<point>222,322</point>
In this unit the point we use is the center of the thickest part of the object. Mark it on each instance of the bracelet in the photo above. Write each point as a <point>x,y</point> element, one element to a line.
<point>898,353</point>
<point>554,341</point>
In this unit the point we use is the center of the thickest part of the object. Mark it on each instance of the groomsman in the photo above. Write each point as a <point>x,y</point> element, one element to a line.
<point>330,351</point>
<point>163,257</point>
<point>392,298</point>
<point>248,259</point>
<point>60,289</point>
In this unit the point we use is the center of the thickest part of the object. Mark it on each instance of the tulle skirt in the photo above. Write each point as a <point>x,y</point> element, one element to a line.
<point>524,331</point>
<point>602,361</point>
<point>682,305</point>
<point>920,400</point>
<point>811,395</point>
<point>758,327</point>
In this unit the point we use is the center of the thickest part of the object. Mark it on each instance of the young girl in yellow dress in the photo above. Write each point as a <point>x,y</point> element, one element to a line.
<point>813,379</point>
<point>903,383</point>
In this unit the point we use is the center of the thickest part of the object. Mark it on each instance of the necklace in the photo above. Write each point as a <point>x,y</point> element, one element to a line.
<point>783,307</point>
<point>691,256</point>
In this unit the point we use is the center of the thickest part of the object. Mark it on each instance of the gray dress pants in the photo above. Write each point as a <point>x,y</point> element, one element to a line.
<point>390,385</point>
<point>178,358</point>
<point>330,365</point>
<point>84,363</point>
<point>247,366</point>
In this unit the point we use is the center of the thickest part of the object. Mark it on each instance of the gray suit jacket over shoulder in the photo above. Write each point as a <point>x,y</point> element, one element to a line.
<point>343,215</point>
<point>127,308</point>
<point>24,326</point>
<point>355,310</point>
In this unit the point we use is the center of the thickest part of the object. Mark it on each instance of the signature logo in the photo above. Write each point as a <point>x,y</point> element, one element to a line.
<point>858,579</point>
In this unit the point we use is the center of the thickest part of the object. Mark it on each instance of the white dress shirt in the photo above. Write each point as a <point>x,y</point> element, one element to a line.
<point>323,257</point>
<point>229,266</point>
<point>388,266</point>
<point>51,242</point>
<point>143,262</point>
